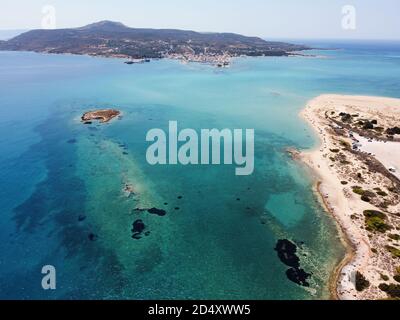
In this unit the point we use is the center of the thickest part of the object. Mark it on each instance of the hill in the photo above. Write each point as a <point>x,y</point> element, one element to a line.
<point>107,38</point>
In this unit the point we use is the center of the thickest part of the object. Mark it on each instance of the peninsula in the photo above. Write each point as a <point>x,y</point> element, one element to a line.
<point>113,39</point>
<point>357,168</point>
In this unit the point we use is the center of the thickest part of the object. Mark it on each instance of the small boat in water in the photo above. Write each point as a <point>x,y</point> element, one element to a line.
<point>134,61</point>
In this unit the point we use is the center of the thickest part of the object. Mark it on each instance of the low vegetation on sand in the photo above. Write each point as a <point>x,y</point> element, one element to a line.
<point>375,221</point>
<point>394,251</point>
<point>361,282</point>
<point>393,290</point>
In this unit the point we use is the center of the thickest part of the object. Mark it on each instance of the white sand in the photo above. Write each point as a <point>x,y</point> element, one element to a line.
<point>339,199</point>
<point>388,153</point>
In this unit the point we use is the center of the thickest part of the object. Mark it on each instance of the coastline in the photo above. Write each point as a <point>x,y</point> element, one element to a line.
<point>214,61</point>
<point>336,198</point>
<point>344,239</point>
<point>343,236</point>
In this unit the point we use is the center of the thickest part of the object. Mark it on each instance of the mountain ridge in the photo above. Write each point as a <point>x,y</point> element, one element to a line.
<point>110,38</point>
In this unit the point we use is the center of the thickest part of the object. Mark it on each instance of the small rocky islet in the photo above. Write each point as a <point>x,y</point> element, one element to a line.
<point>287,253</point>
<point>299,276</point>
<point>92,236</point>
<point>138,227</point>
<point>158,212</point>
<point>103,115</point>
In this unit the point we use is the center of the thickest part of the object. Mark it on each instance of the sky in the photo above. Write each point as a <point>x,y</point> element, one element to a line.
<point>284,19</point>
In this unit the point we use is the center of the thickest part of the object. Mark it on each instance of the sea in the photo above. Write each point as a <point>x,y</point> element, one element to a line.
<point>63,197</point>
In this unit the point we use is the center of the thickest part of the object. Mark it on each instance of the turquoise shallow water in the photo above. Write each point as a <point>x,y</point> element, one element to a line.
<point>54,169</point>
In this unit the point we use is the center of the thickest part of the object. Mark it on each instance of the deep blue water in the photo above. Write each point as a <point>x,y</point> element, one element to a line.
<point>53,169</point>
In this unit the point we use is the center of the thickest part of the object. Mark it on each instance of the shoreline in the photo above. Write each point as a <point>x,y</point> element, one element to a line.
<point>215,63</point>
<point>343,236</point>
<point>337,200</point>
<point>344,239</point>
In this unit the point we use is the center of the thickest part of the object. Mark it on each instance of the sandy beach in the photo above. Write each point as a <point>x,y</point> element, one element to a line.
<point>357,166</point>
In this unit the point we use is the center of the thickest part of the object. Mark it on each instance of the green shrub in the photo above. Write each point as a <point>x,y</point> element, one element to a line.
<point>382,193</point>
<point>374,213</point>
<point>384,277</point>
<point>361,282</point>
<point>384,287</point>
<point>394,251</point>
<point>393,131</point>
<point>393,290</point>
<point>369,194</point>
<point>345,144</point>
<point>397,277</point>
<point>376,224</point>
<point>344,182</point>
<point>368,125</point>
<point>334,150</point>
<point>358,190</point>
<point>365,198</point>
<point>384,205</point>
<point>394,237</point>
<point>375,221</point>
